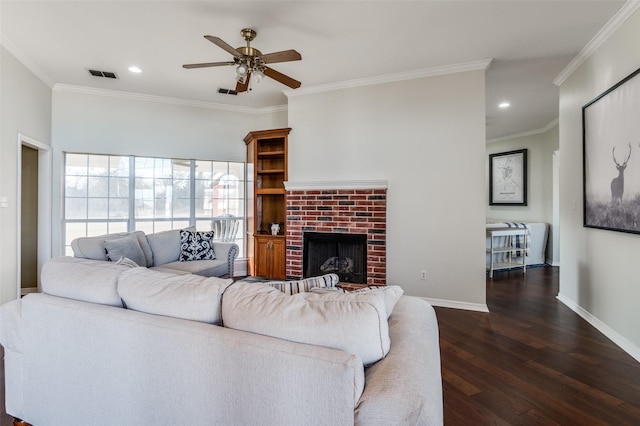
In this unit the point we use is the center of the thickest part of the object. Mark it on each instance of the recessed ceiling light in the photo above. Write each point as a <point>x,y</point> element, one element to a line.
<point>135,69</point>
<point>504,105</point>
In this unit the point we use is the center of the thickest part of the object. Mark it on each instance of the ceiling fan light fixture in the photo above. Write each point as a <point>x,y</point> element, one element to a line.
<point>242,70</point>
<point>258,75</point>
<point>241,78</point>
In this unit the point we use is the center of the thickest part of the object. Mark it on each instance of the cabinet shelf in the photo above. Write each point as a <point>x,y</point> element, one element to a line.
<point>503,253</point>
<point>270,153</point>
<point>270,171</point>
<point>270,191</point>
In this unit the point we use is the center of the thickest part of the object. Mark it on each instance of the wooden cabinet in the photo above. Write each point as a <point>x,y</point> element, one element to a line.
<point>271,252</point>
<point>266,202</point>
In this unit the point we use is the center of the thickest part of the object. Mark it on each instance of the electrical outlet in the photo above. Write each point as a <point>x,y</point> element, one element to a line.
<point>423,275</point>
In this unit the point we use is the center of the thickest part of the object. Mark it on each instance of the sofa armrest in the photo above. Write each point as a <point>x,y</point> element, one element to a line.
<point>228,251</point>
<point>405,388</point>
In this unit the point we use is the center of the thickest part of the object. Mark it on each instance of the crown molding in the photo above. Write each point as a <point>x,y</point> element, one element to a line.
<point>603,35</point>
<point>25,60</point>
<point>165,99</point>
<point>390,78</point>
<point>544,129</point>
<point>336,184</point>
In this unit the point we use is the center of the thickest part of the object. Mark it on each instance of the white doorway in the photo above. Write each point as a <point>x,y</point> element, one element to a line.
<point>34,212</point>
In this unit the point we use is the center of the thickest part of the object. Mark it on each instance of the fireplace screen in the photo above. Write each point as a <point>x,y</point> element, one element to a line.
<point>341,254</point>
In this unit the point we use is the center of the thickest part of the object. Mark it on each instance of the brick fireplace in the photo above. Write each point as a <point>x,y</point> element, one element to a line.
<point>344,208</point>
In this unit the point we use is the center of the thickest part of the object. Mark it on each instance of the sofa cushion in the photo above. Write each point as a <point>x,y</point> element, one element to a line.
<point>390,293</point>
<point>93,247</point>
<point>165,246</point>
<point>82,279</point>
<point>304,285</point>
<point>125,261</point>
<point>196,245</point>
<point>354,323</point>
<point>127,246</point>
<point>206,268</point>
<point>190,297</point>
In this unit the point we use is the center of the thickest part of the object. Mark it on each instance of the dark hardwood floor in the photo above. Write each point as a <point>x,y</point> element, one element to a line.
<point>532,361</point>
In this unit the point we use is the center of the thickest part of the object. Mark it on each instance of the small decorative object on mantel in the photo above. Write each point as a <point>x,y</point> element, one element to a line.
<point>508,178</point>
<point>611,142</point>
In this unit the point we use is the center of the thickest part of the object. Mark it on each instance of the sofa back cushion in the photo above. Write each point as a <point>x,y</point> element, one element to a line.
<point>166,246</point>
<point>83,279</point>
<point>390,293</point>
<point>351,322</point>
<point>94,247</point>
<point>190,297</point>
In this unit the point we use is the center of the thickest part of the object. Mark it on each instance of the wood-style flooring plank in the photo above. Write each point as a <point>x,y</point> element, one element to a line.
<point>532,361</point>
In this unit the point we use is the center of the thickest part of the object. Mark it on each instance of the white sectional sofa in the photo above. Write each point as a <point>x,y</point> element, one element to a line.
<point>159,251</point>
<point>74,355</point>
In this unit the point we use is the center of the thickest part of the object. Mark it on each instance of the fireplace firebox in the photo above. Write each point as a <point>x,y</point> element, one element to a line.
<point>337,253</point>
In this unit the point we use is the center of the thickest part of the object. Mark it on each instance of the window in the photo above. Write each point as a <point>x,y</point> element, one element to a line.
<point>107,194</point>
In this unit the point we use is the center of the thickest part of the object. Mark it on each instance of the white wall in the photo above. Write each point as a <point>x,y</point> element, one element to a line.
<point>540,148</point>
<point>427,138</point>
<point>598,276</point>
<point>25,108</point>
<point>108,124</point>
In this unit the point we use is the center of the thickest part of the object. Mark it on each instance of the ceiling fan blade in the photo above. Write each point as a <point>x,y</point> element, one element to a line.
<point>284,79</point>
<point>207,64</point>
<point>243,87</point>
<point>284,56</point>
<point>223,45</point>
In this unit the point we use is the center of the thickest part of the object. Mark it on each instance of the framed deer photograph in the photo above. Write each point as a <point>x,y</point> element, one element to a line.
<point>611,158</point>
<point>508,178</point>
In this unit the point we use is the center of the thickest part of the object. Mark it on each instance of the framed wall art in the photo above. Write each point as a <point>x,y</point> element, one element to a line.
<point>508,178</point>
<point>611,158</point>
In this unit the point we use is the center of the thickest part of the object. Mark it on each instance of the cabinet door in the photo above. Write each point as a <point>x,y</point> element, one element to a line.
<point>263,257</point>
<point>278,263</point>
<point>270,258</point>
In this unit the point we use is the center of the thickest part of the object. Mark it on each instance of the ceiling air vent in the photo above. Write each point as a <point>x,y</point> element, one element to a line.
<point>106,74</point>
<point>227,91</point>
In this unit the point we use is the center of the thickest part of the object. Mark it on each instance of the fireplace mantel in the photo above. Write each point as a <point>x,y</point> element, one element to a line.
<point>336,184</point>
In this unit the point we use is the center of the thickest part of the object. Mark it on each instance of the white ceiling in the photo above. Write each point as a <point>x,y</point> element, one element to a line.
<point>530,43</point>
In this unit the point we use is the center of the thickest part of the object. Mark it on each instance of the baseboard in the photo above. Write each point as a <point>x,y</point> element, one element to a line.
<point>479,307</point>
<point>616,338</point>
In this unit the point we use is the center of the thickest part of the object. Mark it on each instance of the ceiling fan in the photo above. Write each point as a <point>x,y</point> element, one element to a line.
<point>249,60</point>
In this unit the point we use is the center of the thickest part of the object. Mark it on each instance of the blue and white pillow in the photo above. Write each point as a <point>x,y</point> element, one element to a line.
<point>196,246</point>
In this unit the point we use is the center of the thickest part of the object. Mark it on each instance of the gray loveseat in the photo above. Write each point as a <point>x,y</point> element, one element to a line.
<point>161,251</point>
<point>75,356</point>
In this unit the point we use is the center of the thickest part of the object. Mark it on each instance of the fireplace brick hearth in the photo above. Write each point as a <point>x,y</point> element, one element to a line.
<point>346,211</point>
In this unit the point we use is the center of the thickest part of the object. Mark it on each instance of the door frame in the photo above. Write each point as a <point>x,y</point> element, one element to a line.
<point>44,205</point>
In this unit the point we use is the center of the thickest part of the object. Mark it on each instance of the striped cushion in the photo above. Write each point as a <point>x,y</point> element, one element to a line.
<point>304,285</point>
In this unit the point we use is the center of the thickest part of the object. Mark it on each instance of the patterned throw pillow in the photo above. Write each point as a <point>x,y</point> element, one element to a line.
<point>196,246</point>
<point>304,285</point>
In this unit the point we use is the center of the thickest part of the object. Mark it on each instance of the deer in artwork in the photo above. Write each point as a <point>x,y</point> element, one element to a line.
<point>617,184</point>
